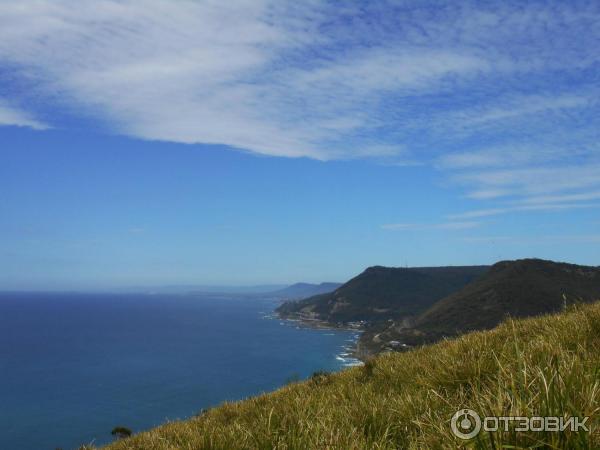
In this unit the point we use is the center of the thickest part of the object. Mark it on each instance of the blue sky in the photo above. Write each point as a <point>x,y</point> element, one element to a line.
<point>187,142</point>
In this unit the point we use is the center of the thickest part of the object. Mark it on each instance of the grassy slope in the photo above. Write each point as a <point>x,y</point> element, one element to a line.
<point>546,366</point>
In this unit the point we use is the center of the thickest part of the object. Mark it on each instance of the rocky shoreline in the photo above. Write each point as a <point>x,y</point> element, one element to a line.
<point>373,338</point>
<point>320,324</point>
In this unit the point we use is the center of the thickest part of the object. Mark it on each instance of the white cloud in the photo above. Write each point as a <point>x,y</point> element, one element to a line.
<point>555,199</point>
<point>508,156</point>
<point>236,74</point>
<point>10,116</point>
<point>391,68</point>
<point>530,181</point>
<point>479,213</point>
<point>154,69</point>
<point>286,78</point>
<point>454,87</point>
<point>435,226</point>
<point>517,107</point>
<point>521,208</point>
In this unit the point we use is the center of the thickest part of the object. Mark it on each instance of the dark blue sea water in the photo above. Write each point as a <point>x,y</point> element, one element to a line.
<point>73,366</point>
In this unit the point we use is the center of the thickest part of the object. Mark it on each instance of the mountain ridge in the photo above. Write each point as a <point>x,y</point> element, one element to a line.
<point>398,308</point>
<point>520,288</point>
<point>381,293</point>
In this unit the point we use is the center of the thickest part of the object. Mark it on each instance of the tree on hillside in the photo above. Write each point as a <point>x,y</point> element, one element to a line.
<point>121,432</point>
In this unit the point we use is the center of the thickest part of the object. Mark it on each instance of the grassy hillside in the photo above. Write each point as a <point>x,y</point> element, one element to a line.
<point>546,366</point>
<point>381,293</point>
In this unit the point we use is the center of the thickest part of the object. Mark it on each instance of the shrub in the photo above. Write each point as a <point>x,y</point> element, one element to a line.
<point>320,377</point>
<point>121,432</point>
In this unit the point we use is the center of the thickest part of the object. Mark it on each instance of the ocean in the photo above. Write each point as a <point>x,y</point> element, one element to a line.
<point>74,366</point>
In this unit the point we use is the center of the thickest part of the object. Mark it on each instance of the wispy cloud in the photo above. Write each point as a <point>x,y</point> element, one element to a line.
<point>514,155</point>
<point>522,107</point>
<point>530,181</point>
<point>254,75</point>
<point>434,226</point>
<point>556,199</point>
<point>311,79</point>
<point>16,117</point>
<point>498,98</point>
<point>478,213</point>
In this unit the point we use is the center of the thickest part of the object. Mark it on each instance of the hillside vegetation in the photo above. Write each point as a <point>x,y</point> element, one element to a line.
<point>382,293</point>
<point>517,288</point>
<point>520,288</point>
<point>544,366</point>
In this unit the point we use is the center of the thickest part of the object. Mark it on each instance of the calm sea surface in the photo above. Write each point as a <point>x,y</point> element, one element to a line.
<point>73,366</point>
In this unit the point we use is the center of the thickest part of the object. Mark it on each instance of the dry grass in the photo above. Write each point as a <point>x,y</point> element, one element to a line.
<point>546,366</point>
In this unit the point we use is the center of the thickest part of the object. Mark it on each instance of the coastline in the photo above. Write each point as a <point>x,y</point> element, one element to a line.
<point>351,355</point>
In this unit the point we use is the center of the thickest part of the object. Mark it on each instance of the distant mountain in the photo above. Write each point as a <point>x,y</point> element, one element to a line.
<point>304,290</point>
<point>381,293</point>
<point>521,288</point>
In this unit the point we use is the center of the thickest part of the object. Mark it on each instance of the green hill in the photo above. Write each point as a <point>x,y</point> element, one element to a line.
<point>545,366</point>
<point>517,288</point>
<point>382,293</point>
<point>521,288</point>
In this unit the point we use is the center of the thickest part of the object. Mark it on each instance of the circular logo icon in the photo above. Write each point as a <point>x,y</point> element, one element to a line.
<point>465,424</point>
